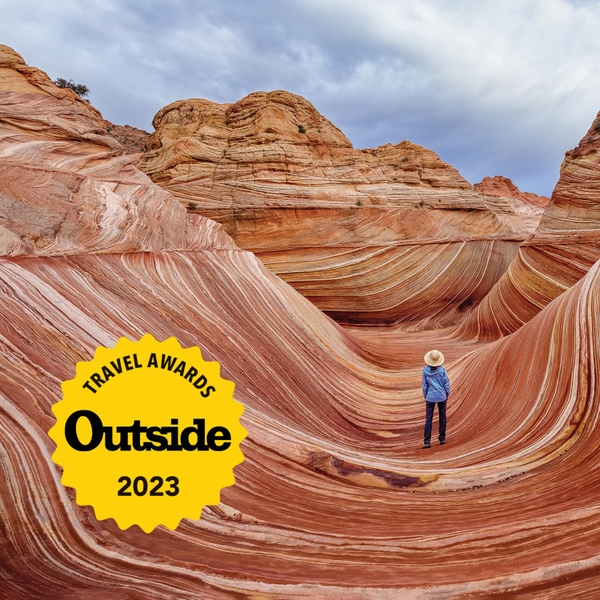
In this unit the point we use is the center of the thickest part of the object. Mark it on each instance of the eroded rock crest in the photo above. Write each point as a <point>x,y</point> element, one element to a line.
<point>503,187</point>
<point>67,187</point>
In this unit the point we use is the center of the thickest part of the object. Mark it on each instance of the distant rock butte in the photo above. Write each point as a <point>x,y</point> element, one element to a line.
<point>529,207</point>
<point>132,140</point>
<point>352,230</point>
<point>505,188</point>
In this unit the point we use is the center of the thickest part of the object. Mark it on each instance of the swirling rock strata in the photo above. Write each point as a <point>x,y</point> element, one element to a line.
<point>335,497</point>
<point>355,231</point>
<point>565,245</point>
<point>66,186</point>
<point>319,491</point>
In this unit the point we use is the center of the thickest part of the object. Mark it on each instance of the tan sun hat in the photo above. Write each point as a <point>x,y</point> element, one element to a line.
<point>434,358</point>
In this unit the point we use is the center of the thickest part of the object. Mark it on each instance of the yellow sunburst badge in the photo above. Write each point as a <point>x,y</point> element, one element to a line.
<point>148,433</point>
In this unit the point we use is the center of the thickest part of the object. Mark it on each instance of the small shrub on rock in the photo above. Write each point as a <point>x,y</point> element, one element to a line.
<point>80,89</point>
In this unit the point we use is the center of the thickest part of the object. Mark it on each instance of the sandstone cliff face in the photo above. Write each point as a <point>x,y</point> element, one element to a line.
<point>564,247</point>
<point>335,498</point>
<point>355,231</point>
<point>66,186</point>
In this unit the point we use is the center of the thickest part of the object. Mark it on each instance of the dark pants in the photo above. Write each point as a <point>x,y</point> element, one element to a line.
<point>429,408</point>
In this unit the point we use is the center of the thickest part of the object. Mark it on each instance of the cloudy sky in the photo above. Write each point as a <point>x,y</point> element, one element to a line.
<point>494,87</point>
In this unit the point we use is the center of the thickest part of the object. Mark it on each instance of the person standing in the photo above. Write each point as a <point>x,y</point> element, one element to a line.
<point>436,389</point>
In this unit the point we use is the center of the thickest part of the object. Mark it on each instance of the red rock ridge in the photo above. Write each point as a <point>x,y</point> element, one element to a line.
<point>505,188</point>
<point>132,140</point>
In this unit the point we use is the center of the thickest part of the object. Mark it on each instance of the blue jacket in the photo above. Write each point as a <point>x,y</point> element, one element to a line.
<point>436,385</point>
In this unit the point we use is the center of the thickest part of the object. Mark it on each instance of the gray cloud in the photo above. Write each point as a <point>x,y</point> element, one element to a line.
<point>493,87</point>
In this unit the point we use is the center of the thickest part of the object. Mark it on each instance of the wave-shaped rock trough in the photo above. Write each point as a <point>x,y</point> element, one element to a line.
<point>520,461</point>
<point>335,498</point>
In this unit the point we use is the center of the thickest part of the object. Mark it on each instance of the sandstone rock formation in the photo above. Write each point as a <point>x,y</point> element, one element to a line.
<point>503,187</point>
<point>530,207</point>
<point>65,186</point>
<point>335,498</point>
<point>564,247</point>
<point>132,139</point>
<point>16,76</point>
<point>385,235</point>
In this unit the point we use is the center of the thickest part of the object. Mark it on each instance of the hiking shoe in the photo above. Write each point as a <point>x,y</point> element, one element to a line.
<point>442,442</point>
<point>426,445</point>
